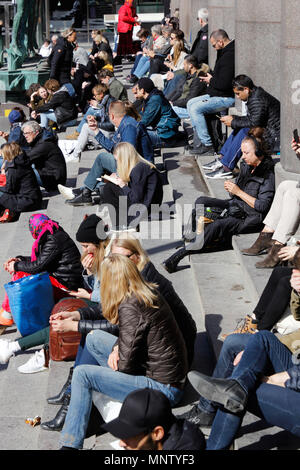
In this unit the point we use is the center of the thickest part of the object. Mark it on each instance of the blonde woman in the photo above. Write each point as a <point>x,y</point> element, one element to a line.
<point>149,353</point>
<point>138,180</point>
<point>159,69</point>
<point>21,191</point>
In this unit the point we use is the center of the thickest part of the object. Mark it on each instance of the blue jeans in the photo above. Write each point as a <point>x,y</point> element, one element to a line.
<point>143,67</point>
<point>117,385</point>
<point>156,141</point>
<point>263,355</point>
<point>206,104</point>
<point>231,150</point>
<point>37,175</point>
<point>104,161</point>
<point>45,117</point>
<point>181,112</point>
<point>136,63</point>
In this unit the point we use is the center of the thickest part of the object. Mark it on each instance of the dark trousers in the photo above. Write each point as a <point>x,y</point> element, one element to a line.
<point>274,299</point>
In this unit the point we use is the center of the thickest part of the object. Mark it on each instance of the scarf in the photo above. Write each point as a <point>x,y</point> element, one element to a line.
<point>38,225</point>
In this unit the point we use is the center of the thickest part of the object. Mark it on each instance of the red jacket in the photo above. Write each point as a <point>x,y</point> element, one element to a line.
<point>126,19</point>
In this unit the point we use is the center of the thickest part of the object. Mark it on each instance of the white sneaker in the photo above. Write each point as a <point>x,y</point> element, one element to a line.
<point>5,352</point>
<point>67,193</point>
<point>35,364</point>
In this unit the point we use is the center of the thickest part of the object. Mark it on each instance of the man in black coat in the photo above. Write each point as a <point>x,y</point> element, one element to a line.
<point>46,156</point>
<point>219,95</point>
<point>200,45</point>
<point>61,58</point>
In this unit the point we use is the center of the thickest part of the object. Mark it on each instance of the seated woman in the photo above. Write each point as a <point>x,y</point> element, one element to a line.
<point>147,329</point>
<point>60,108</point>
<point>174,61</point>
<point>264,380</point>
<point>136,179</point>
<point>100,44</point>
<point>87,319</point>
<point>53,251</point>
<point>281,223</point>
<point>38,98</point>
<point>21,192</point>
<point>252,196</point>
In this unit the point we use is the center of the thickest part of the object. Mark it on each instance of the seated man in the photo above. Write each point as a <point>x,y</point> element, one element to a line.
<point>192,87</point>
<point>116,88</point>
<point>146,422</point>
<point>263,110</point>
<point>127,130</point>
<point>158,116</point>
<point>45,156</point>
<point>219,94</point>
<point>99,108</point>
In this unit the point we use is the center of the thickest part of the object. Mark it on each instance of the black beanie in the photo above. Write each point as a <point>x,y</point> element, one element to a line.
<point>92,230</point>
<point>146,84</point>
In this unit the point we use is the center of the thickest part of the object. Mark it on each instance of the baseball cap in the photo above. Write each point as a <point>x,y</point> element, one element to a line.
<point>141,411</point>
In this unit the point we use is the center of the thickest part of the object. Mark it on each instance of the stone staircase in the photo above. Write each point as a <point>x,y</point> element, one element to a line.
<point>218,288</point>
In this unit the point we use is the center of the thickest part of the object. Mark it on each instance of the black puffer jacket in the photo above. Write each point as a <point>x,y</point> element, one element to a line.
<point>59,256</point>
<point>263,110</point>
<point>60,61</point>
<point>260,184</point>
<point>63,105</point>
<point>150,342</point>
<point>21,192</point>
<point>48,160</point>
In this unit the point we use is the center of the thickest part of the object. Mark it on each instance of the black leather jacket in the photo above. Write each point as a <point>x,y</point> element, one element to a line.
<point>59,256</point>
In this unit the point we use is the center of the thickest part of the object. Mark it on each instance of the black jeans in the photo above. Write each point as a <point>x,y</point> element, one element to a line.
<point>274,299</point>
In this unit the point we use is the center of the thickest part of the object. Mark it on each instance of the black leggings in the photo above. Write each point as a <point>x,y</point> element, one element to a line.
<point>274,299</point>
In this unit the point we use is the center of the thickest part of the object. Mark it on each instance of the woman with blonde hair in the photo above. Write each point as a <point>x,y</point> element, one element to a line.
<point>138,180</point>
<point>149,353</point>
<point>21,191</point>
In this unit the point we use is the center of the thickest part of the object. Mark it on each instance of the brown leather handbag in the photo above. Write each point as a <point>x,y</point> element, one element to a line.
<point>64,346</point>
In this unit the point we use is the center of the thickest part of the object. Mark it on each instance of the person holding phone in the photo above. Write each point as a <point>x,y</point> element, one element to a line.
<point>280,224</point>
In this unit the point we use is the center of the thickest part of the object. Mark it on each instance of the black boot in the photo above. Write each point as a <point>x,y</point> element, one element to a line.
<point>170,264</point>
<point>98,195</point>
<point>58,422</point>
<point>59,399</point>
<point>83,199</point>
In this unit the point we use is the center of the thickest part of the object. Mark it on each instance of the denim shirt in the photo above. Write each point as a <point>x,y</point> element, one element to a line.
<point>130,131</point>
<point>92,283</point>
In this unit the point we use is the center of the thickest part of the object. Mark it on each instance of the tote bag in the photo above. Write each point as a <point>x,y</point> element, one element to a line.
<point>31,302</point>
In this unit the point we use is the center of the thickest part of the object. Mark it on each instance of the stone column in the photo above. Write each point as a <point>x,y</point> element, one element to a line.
<point>289,78</point>
<point>188,10</point>
<point>258,30</point>
<point>221,16</point>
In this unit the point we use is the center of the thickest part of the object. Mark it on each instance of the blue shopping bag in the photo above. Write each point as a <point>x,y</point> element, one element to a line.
<point>31,302</point>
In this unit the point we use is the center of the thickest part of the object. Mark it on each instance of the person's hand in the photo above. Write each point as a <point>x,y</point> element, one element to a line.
<point>11,267</point>
<point>278,379</point>
<point>288,252</point>
<point>231,187</point>
<point>94,103</point>
<point>35,93</point>
<point>295,280</point>
<point>117,180</point>
<point>151,54</point>
<point>75,315</point>
<point>9,262</point>
<point>4,135</point>
<point>81,294</point>
<point>295,146</point>
<point>237,358</point>
<point>63,326</point>
<point>113,359</point>
<point>84,84</point>
<point>170,75</point>
<point>227,120</point>
<point>92,123</point>
<point>87,262</point>
<point>207,78</point>
<point>33,114</point>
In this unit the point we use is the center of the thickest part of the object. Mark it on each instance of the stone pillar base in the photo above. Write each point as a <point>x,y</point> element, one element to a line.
<point>282,175</point>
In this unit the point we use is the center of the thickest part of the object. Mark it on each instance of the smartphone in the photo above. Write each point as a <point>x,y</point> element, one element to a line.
<point>296,135</point>
<point>218,116</point>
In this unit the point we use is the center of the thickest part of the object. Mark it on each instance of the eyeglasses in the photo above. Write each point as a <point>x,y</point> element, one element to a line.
<point>28,133</point>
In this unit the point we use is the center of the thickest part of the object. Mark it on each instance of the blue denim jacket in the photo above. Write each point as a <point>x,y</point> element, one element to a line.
<point>130,131</point>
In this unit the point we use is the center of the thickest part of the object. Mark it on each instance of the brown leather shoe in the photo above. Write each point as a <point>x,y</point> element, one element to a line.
<point>246,325</point>
<point>261,245</point>
<point>272,259</point>
<point>73,136</point>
